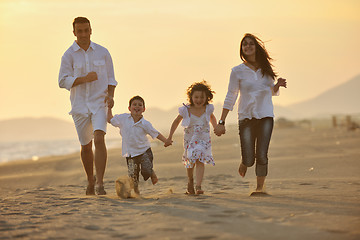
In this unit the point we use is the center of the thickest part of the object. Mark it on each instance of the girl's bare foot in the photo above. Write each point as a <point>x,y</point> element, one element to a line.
<point>190,187</point>
<point>242,169</point>
<point>199,190</point>
<point>154,178</point>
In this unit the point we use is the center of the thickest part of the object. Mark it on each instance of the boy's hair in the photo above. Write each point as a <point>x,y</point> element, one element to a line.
<point>80,20</point>
<point>200,86</point>
<point>137,98</point>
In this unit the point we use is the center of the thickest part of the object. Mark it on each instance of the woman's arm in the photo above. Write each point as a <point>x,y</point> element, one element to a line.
<point>280,83</point>
<point>220,128</point>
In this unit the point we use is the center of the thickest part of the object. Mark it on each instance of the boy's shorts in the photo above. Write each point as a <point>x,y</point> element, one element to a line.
<point>87,125</point>
<point>143,162</point>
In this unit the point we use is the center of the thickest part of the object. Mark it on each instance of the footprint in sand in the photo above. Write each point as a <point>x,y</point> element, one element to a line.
<point>206,237</point>
<point>123,186</point>
<point>259,194</point>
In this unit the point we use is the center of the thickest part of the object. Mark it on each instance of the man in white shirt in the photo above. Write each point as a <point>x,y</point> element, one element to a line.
<point>87,72</point>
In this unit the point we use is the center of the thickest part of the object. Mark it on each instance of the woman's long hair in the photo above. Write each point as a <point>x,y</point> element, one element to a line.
<point>261,56</point>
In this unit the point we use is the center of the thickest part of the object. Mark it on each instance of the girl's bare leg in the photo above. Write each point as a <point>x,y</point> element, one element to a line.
<point>190,174</point>
<point>200,169</point>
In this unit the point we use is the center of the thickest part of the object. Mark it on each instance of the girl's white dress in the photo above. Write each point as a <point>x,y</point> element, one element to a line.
<point>197,142</point>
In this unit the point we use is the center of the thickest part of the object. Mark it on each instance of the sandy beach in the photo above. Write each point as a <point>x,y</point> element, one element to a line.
<point>313,182</point>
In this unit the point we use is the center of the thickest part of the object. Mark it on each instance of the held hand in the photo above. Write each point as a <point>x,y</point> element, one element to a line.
<point>168,142</point>
<point>219,130</point>
<point>92,76</point>
<point>110,101</point>
<point>282,82</point>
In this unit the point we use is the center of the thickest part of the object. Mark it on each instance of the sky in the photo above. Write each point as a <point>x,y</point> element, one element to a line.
<point>160,47</point>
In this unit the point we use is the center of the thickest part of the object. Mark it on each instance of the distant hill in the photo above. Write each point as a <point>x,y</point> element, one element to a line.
<point>343,99</point>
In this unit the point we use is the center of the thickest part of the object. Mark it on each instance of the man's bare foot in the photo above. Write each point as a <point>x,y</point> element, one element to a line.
<point>242,169</point>
<point>100,190</point>
<point>154,178</point>
<point>90,190</point>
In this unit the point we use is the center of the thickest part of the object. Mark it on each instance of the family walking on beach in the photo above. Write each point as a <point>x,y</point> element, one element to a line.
<point>87,72</point>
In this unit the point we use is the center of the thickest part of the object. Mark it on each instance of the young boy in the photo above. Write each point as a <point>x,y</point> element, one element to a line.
<point>135,145</point>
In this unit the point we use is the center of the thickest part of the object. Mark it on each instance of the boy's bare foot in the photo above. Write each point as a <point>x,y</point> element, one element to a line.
<point>242,169</point>
<point>136,190</point>
<point>154,178</point>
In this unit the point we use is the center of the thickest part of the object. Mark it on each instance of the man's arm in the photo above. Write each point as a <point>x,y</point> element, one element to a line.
<point>109,115</point>
<point>109,99</point>
<point>92,76</point>
<point>66,74</point>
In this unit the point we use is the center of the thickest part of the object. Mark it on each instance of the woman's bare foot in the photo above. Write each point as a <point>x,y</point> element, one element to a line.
<point>260,184</point>
<point>154,178</point>
<point>242,169</point>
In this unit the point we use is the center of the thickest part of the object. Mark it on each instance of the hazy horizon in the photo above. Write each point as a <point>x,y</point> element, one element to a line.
<point>170,44</point>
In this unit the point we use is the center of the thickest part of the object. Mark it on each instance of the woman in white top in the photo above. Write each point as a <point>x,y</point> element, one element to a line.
<point>255,80</point>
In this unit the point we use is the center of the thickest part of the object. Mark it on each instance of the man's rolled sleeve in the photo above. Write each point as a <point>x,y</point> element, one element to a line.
<point>66,74</point>
<point>110,70</point>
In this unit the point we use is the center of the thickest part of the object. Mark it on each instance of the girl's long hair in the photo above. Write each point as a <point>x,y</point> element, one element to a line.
<point>261,56</point>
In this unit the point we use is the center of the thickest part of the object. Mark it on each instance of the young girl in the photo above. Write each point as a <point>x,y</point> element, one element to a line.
<point>195,118</point>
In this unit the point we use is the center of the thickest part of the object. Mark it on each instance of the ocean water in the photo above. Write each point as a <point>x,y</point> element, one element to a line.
<point>33,150</point>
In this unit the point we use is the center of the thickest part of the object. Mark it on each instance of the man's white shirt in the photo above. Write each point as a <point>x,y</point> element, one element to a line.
<point>87,97</point>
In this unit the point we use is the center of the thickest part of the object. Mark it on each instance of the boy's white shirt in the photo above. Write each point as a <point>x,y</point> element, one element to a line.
<point>134,134</point>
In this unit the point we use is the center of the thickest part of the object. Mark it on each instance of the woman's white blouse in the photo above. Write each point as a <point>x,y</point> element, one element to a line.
<point>256,93</point>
